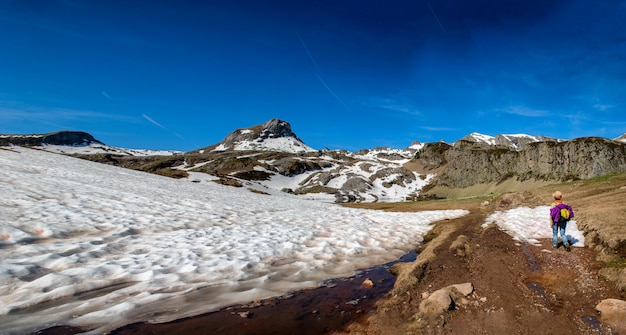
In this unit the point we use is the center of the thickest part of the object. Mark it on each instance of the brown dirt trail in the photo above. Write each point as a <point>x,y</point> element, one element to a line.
<point>518,288</point>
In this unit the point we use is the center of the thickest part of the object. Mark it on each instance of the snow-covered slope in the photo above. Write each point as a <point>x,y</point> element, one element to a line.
<point>89,244</point>
<point>368,175</point>
<point>92,149</point>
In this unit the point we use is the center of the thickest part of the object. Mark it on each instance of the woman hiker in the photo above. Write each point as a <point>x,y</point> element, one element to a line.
<point>560,214</point>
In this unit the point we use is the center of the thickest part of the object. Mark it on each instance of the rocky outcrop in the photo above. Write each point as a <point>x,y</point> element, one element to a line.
<point>72,138</point>
<point>467,163</point>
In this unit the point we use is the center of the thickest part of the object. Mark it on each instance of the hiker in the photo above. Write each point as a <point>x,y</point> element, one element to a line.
<point>560,214</point>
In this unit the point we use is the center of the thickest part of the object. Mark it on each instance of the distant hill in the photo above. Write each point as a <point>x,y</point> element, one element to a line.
<point>64,137</point>
<point>73,143</point>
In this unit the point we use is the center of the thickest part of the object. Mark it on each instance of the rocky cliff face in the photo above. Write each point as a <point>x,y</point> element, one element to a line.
<point>513,141</point>
<point>468,163</point>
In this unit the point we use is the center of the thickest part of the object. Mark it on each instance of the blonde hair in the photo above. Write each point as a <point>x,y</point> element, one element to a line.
<point>557,195</point>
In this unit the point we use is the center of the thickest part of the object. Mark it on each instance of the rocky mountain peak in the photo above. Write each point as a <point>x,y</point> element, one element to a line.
<point>275,128</point>
<point>273,135</point>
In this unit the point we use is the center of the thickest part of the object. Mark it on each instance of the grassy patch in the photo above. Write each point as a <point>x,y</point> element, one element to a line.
<point>617,262</point>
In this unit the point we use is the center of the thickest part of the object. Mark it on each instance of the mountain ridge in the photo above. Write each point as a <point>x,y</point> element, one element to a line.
<point>270,156</point>
<point>259,137</point>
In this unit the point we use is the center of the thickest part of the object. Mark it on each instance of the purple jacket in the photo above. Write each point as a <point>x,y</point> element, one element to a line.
<point>554,211</point>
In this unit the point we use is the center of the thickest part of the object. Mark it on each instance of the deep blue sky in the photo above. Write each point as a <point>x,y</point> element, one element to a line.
<point>345,74</point>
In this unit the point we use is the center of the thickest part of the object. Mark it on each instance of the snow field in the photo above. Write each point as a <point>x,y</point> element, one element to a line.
<point>84,243</point>
<point>530,224</point>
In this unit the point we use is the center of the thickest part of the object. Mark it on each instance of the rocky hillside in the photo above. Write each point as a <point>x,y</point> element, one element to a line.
<point>468,163</point>
<point>271,157</point>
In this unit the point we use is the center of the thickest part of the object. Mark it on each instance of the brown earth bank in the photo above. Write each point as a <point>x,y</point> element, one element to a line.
<point>517,288</point>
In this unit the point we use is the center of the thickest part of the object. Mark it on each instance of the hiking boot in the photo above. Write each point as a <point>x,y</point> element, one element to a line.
<point>554,246</point>
<point>568,247</point>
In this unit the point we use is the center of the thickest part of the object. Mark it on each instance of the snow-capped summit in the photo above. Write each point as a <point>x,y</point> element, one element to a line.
<point>621,138</point>
<point>513,141</point>
<point>415,147</point>
<point>273,135</point>
<point>480,138</point>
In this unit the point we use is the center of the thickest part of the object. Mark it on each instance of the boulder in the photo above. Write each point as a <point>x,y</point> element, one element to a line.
<point>444,299</point>
<point>433,310</point>
<point>613,313</point>
<point>465,289</point>
<point>436,303</point>
<point>460,246</point>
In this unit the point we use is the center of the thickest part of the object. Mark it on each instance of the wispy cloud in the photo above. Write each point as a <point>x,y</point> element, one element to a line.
<point>319,74</point>
<point>333,93</point>
<point>393,105</point>
<point>151,120</point>
<point>405,109</point>
<point>20,118</point>
<point>438,128</point>
<point>106,95</point>
<point>524,111</point>
<point>602,107</point>
<point>437,18</point>
<point>38,113</point>
<point>308,52</point>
